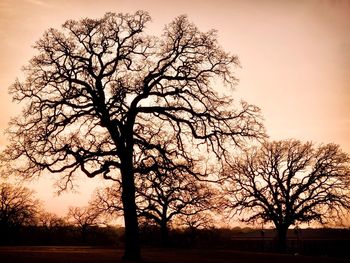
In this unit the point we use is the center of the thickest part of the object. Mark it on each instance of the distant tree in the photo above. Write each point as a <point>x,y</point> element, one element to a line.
<point>50,220</point>
<point>84,218</point>
<point>18,207</point>
<point>96,90</point>
<point>52,229</point>
<point>162,198</point>
<point>202,220</point>
<point>289,182</point>
<point>107,202</point>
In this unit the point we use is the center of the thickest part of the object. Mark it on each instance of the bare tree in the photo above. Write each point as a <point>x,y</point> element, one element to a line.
<point>50,220</point>
<point>107,202</point>
<point>289,182</point>
<point>18,207</point>
<point>97,88</point>
<point>84,218</point>
<point>163,197</point>
<point>201,220</point>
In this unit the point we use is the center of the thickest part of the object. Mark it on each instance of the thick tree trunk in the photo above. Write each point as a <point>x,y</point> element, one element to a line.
<point>164,233</point>
<point>84,234</point>
<point>132,251</point>
<point>132,244</point>
<point>282,238</point>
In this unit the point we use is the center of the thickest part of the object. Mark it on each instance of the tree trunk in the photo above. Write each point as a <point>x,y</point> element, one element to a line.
<point>282,238</point>
<point>132,244</point>
<point>83,234</point>
<point>164,233</point>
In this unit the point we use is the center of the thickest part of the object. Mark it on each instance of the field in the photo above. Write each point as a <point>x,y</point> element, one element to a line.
<point>84,254</point>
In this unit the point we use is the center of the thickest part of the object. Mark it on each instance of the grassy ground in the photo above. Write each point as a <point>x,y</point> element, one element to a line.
<point>109,255</point>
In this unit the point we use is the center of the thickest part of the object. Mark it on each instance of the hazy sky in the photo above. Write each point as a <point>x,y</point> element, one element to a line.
<point>295,58</point>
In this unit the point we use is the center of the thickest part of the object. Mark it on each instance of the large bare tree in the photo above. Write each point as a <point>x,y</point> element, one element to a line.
<point>289,182</point>
<point>97,89</point>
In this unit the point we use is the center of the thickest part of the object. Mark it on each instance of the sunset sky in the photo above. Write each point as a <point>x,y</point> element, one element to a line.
<point>295,58</point>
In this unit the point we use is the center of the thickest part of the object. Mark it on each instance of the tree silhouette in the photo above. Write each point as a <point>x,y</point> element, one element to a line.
<point>202,220</point>
<point>50,221</point>
<point>289,182</point>
<point>107,202</point>
<point>164,197</point>
<point>84,218</point>
<point>18,207</point>
<point>96,90</point>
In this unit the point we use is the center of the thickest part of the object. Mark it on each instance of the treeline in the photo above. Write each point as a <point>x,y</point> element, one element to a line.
<point>67,235</point>
<point>24,222</point>
<point>324,241</point>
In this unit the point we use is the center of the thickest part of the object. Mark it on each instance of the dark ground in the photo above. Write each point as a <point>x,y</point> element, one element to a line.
<point>75,254</point>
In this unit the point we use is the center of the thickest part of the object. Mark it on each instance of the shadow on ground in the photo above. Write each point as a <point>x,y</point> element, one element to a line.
<point>108,255</point>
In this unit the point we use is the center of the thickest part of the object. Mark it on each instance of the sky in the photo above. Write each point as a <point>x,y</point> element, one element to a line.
<point>295,57</point>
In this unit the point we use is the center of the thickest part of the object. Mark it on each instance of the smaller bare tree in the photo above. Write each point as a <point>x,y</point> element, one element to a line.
<point>18,207</point>
<point>50,220</point>
<point>162,197</point>
<point>84,218</point>
<point>202,220</point>
<point>289,182</point>
<point>107,202</point>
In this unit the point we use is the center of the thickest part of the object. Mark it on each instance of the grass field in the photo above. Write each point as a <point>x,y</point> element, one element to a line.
<point>55,254</point>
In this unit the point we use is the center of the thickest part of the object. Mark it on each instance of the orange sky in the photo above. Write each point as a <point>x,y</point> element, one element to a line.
<point>295,58</point>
